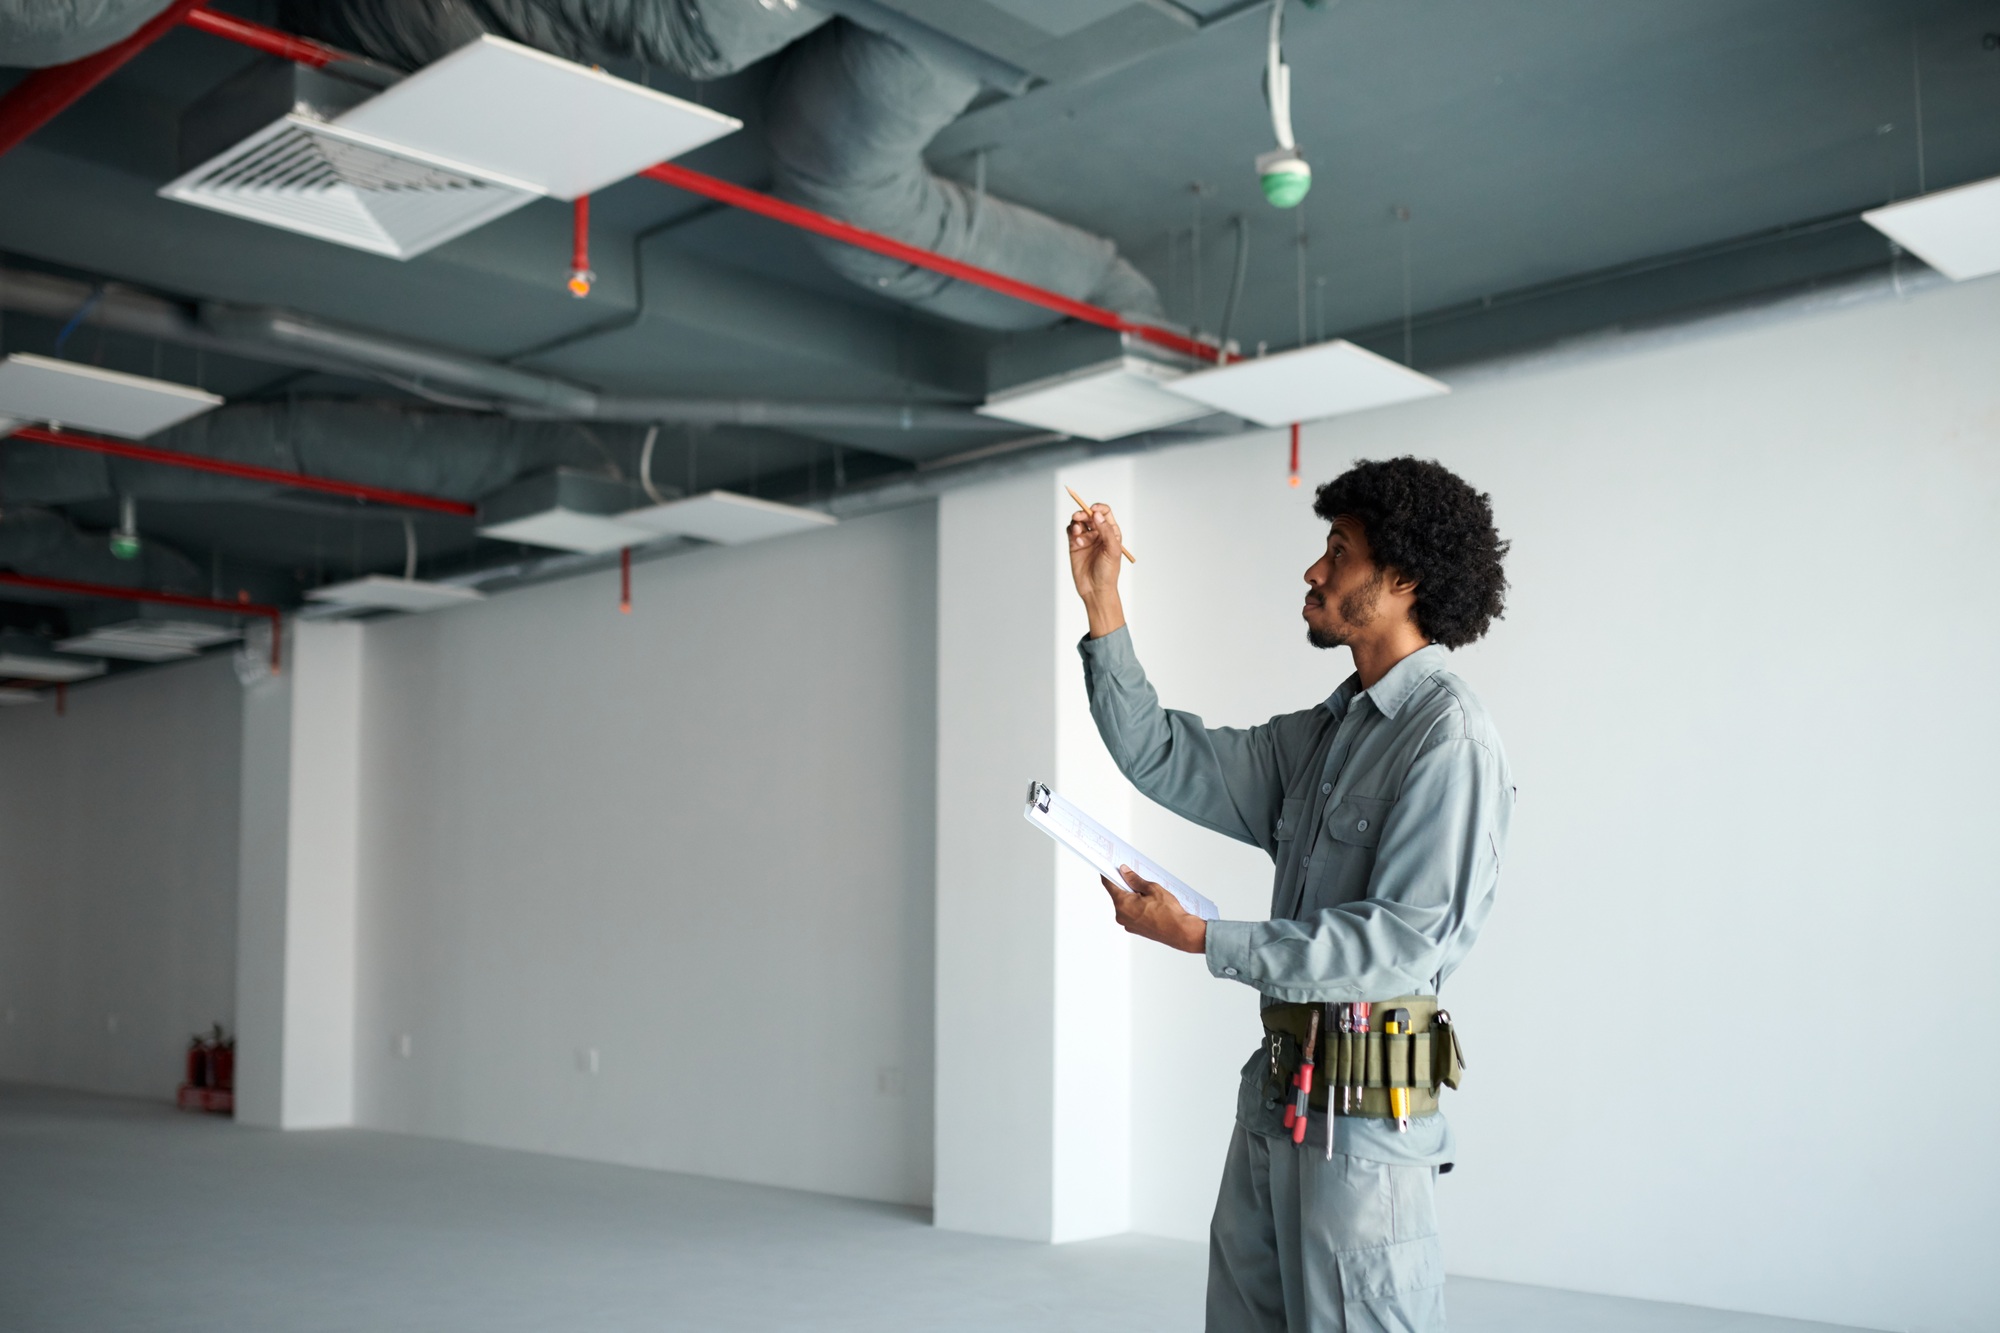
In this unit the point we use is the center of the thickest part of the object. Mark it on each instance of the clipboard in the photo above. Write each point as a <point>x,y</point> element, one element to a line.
<point>1103,849</point>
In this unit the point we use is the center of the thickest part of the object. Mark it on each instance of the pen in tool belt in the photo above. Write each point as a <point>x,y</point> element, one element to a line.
<point>1123,549</point>
<point>1397,1024</point>
<point>1302,1083</point>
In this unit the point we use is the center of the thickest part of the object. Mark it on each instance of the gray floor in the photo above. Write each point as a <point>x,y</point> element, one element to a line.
<point>118,1215</point>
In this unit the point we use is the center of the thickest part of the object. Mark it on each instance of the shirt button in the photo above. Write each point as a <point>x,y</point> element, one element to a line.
<point>1281,823</point>
<point>1361,826</point>
<point>1228,971</point>
<point>1305,863</point>
<point>1326,789</point>
<point>1270,1103</point>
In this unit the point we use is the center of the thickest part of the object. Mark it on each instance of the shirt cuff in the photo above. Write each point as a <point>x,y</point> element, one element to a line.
<point>1228,950</point>
<point>1113,647</point>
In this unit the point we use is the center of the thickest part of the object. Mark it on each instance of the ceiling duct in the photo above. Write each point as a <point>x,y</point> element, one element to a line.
<point>398,170</point>
<point>849,116</point>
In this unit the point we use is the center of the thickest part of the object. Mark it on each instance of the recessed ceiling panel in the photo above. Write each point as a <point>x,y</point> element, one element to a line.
<point>380,592</point>
<point>34,666</point>
<point>36,388</point>
<point>727,518</point>
<point>150,640</point>
<point>564,128</point>
<point>1324,380</point>
<point>1101,402</point>
<point>1956,231</point>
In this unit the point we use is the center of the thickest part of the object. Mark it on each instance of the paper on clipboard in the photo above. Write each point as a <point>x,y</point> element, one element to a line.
<point>1105,850</point>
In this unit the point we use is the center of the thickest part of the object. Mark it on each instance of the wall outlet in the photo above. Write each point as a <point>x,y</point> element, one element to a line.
<point>586,1060</point>
<point>403,1045</point>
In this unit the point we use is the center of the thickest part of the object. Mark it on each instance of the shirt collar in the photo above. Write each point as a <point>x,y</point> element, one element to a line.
<point>1396,686</point>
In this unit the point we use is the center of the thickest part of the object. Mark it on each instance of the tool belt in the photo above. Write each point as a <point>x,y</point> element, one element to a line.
<point>1423,1060</point>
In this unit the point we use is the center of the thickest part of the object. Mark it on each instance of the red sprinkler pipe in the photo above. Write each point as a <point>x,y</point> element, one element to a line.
<point>625,580</point>
<point>806,219</point>
<point>112,592</point>
<point>245,471</point>
<point>300,50</point>
<point>45,94</point>
<point>580,276</point>
<point>1293,481</point>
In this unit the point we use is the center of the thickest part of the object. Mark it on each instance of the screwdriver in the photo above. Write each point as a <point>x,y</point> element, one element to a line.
<point>1360,1075</point>
<point>1399,1098</point>
<point>1302,1083</point>
<point>1332,1011</point>
<point>1343,1068</point>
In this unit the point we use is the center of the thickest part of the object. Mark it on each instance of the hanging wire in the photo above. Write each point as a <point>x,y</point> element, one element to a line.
<point>1917,94</point>
<point>1301,212</point>
<point>1319,301</point>
<point>646,466</point>
<point>1236,284</point>
<point>1403,216</point>
<point>1194,260</point>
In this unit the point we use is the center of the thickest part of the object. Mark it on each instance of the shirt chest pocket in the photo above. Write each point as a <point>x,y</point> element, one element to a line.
<point>1343,860</point>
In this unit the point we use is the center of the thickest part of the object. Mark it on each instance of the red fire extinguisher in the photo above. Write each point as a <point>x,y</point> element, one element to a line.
<point>197,1063</point>
<point>222,1063</point>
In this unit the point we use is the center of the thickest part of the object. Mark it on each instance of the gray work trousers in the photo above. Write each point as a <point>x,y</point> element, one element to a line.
<point>1301,1244</point>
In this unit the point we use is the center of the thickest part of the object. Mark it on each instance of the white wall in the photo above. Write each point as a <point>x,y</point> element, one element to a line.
<point>118,878</point>
<point>695,840</point>
<point>300,842</point>
<point>1034,992</point>
<point>1744,683</point>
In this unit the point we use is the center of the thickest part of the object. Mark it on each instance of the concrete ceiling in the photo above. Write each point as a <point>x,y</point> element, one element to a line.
<point>1490,175</point>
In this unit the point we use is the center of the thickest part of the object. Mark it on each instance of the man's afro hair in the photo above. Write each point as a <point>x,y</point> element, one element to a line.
<point>1423,521</point>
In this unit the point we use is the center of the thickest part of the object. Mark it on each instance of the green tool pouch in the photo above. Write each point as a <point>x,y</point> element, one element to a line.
<point>1425,1059</point>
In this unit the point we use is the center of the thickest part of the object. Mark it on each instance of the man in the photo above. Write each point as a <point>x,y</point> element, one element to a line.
<point>1386,810</point>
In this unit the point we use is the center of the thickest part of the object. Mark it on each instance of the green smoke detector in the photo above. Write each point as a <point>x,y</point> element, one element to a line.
<point>125,543</point>
<point>1285,176</point>
<point>1283,171</point>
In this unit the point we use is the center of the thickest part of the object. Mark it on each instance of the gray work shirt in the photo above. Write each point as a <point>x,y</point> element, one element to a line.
<point>1386,811</point>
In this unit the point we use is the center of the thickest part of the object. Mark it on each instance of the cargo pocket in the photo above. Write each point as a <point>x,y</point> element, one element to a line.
<point>1395,1288</point>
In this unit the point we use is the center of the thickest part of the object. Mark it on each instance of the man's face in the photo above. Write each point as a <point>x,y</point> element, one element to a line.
<point>1343,588</point>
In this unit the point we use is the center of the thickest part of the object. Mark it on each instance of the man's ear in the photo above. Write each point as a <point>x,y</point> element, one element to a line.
<point>1400,584</point>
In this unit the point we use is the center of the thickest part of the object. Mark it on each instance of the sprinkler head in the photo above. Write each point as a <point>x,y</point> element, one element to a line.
<point>1285,176</point>
<point>125,545</point>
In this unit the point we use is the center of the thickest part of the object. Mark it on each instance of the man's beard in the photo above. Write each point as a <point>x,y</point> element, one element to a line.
<point>1357,611</point>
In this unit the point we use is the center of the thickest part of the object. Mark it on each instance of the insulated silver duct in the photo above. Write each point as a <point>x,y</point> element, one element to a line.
<point>849,117</point>
<point>453,455</point>
<point>47,545</point>
<point>703,39</point>
<point>286,338</point>
<point>37,33</point>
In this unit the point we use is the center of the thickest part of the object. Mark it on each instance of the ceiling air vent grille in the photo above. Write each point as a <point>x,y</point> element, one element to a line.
<point>308,176</point>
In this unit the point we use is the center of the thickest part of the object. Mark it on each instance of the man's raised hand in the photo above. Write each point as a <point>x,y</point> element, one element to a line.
<point>1095,547</point>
